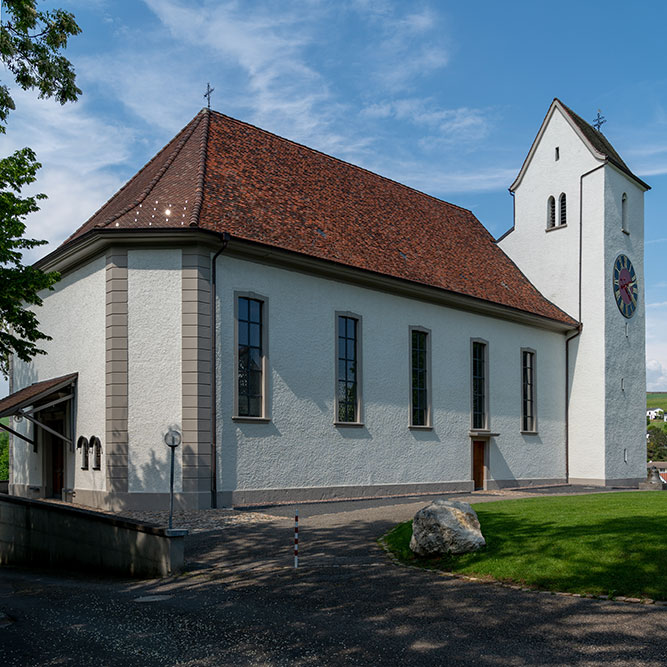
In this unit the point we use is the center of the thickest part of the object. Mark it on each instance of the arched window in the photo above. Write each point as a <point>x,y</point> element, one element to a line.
<point>96,446</point>
<point>624,213</point>
<point>551,213</point>
<point>82,444</point>
<point>562,204</point>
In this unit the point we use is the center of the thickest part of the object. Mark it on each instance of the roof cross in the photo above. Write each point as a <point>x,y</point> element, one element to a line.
<point>599,121</point>
<point>207,94</point>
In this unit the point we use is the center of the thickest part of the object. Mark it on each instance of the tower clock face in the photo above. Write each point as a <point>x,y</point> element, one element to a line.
<point>625,286</point>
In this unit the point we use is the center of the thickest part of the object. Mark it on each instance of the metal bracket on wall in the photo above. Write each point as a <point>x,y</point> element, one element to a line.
<point>46,428</point>
<point>18,435</point>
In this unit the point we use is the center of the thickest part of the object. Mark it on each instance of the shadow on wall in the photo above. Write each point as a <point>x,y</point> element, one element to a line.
<point>24,375</point>
<point>153,476</point>
<point>498,465</point>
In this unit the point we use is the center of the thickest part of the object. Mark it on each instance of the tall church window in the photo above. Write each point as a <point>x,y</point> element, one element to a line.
<point>480,419</point>
<point>250,357</point>
<point>551,213</point>
<point>419,378</point>
<point>624,213</point>
<point>562,204</point>
<point>528,417</point>
<point>348,369</point>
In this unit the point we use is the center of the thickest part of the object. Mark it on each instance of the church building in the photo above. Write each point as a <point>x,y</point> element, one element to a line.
<point>313,330</point>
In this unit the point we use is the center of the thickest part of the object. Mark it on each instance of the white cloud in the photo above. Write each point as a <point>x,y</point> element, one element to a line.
<point>158,87</point>
<point>263,52</point>
<point>656,376</point>
<point>80,153</point>
<point>652,170</point>
<point>445,126</point>
<point>656,347</point>
<point>442,181</point>
<point>410,46</point>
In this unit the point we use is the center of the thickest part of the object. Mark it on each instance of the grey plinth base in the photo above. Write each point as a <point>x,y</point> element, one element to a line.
<point>652,486</point>
<point>176,532</point>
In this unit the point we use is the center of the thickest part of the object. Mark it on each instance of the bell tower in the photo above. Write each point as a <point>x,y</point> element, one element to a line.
<point>578,235</point>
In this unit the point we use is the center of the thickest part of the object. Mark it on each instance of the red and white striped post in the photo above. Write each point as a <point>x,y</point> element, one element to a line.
<point>296,537</point>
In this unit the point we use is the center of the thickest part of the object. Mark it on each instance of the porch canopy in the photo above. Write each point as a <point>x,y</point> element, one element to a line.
<point>36,398</point>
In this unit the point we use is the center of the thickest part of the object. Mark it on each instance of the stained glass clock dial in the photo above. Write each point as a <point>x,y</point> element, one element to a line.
<point>625,286</point>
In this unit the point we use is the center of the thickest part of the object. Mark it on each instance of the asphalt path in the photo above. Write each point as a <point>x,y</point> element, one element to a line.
<point>242,603</point>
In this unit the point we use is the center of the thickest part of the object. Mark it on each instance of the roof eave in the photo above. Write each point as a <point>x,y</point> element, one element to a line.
<point>342,272</point>
<point>93,243</point>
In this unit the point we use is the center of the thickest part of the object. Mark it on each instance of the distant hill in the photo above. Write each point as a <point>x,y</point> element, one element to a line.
<point>656,399</point>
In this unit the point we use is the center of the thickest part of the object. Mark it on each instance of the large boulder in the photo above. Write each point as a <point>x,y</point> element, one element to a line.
<point>446,527</point>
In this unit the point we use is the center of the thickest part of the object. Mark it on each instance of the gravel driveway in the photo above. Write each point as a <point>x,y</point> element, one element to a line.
<point>243,604</point>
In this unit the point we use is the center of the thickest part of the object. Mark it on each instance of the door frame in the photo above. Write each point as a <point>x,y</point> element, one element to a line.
<point>485,462</point>
<point>47,442</point>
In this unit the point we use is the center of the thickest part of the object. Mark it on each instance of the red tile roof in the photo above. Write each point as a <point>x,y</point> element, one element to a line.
<point>224,175</point>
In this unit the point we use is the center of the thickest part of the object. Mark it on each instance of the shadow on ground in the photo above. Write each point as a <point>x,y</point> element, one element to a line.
<point>242,603</point>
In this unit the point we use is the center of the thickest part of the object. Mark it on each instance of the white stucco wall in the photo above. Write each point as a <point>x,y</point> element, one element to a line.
<point>551,258</point>
<point>625,354</point>
<point>604,420</point>
<point>154,366</point>
<point>74,316</point>
<point>300,446</point>
<point>588,411</point>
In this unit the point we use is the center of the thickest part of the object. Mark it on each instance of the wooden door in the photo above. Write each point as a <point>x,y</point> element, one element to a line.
<point>478,450</point>
<point>55,456</point>
<point>58,467</point>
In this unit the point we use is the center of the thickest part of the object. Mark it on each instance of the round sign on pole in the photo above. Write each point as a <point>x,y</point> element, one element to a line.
<point>172,438</point>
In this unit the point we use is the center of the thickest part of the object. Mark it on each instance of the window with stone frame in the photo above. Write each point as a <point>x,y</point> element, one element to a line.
<point>250,358</point>
<point>347,377</point>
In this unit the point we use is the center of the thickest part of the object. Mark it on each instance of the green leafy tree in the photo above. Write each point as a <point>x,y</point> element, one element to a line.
<point>30,44</point>
<point>656,447</point>
<point>4,454</point>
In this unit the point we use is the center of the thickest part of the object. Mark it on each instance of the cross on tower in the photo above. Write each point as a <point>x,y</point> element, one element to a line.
<point>207,94</point>
<point>599,121</point>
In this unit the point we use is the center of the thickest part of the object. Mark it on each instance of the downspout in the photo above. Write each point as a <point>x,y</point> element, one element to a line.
<point>580,326</point>
<point>214,383</point>
<point>10,370</point>
<point>567,401</point>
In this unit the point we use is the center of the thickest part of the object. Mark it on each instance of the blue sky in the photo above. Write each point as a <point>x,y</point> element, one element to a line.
<point>443,96</point>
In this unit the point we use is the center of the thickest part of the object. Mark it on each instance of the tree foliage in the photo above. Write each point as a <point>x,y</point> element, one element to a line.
<point>656,446</point>
<point>30,44</point>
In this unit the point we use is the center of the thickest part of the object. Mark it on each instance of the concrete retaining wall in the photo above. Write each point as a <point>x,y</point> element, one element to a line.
<point>34,532</point>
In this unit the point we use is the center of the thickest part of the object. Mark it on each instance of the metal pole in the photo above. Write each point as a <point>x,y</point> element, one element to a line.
<point>296,537</point>
<point>171,488</point>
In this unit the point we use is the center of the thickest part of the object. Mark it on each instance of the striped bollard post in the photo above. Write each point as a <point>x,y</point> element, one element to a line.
<point>296,537</point>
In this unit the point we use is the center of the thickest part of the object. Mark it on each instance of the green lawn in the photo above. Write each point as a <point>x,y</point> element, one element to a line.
<point>657,399</point>
<point>604,544</point>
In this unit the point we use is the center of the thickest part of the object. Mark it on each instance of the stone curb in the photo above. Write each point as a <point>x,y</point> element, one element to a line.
<point>517,587</point>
